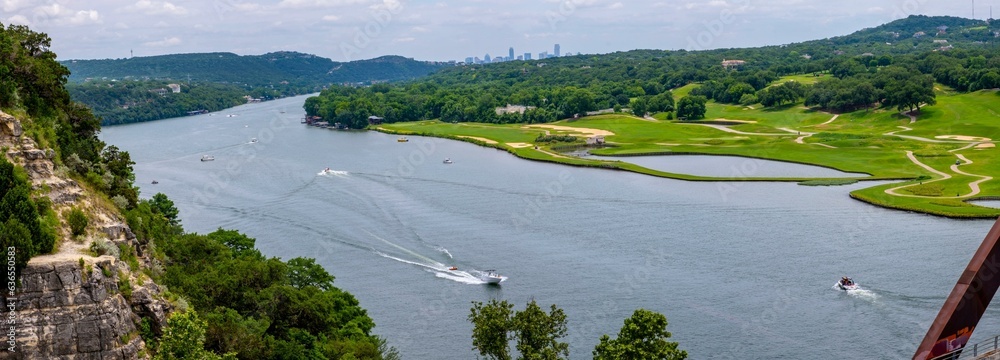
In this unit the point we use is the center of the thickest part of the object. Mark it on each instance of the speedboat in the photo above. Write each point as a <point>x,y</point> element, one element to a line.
<point>447,161</point>
<point>847,284</point>
<point>453,268</point>
<point>253,140</point>
<point>326,171</point>
<point>402,139</point>
<point>155,182</point>
<point>207,158</point>
<point>491,277</point>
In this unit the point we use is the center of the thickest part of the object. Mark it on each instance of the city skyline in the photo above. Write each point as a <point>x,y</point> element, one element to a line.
<point>512,57</point>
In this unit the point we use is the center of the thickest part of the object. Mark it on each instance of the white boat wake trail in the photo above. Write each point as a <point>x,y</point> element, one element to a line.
<point>337,173</point>
<point>430,265</point>
<point>860,293</point>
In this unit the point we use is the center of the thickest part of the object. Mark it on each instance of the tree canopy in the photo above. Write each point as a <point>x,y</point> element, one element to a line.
<point>644,336</point>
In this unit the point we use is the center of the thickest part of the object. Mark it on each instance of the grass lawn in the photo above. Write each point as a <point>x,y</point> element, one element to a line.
<point>863,141</point>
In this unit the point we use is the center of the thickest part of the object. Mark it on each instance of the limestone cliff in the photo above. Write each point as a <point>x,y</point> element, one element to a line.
<point>72,304</point>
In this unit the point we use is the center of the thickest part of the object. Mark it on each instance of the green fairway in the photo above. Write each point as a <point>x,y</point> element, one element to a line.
<point>879,142</point>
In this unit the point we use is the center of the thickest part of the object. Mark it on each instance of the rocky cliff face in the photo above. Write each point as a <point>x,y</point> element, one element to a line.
<point>66,311</point>
<point>70,304</point>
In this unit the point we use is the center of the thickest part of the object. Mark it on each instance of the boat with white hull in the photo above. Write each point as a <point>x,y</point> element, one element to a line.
<point>491,277</point>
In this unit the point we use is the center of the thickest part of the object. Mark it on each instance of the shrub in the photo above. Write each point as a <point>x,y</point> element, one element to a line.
<point>554,138</point>
<point>103,247</point>
<point>120,202</point>
<point>77,221</point>
<point>124,285</point>
<point>128,256</point>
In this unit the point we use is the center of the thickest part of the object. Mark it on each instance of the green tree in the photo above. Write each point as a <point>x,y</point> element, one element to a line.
<point>184,338</point>
<point>644,336</point>
<point>691,107</point>
<point>164,206</point>
<point>77,221</point>
<point>304,272</point>
<point>538,333</point>
<point>15,236</point>
<point>491,323</point>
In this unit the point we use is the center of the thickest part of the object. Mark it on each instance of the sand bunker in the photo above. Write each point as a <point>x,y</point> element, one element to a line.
<point>485,140</point>
<point>962,138</point>
<point>574,130</point>
<point>519,145</point>
<point>986,146</point>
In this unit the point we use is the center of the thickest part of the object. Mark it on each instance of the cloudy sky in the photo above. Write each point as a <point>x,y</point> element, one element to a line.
<point>446,29</point>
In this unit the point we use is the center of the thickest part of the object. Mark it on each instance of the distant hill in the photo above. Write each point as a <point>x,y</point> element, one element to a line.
<point>254,70</point>
<point>134,90</point>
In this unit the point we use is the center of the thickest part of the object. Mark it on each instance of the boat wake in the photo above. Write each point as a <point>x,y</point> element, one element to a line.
<point>859,292</point>
<point>437,268</point>
<point>440,270</point>
<point>337,173</point>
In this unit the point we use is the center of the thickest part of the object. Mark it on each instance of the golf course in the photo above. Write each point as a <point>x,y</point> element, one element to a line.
<point>938,160</point>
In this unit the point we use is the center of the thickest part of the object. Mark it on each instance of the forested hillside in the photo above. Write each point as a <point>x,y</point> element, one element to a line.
<point>228,300</point>
<point>892,65</point>
<point>252,70</point>
<point>131,90</point>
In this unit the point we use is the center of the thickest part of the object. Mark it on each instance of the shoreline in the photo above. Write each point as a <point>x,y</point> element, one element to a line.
<point>623,166</point>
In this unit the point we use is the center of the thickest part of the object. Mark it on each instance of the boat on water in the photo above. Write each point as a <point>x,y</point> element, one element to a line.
<point>491,277</point>
<point>448,161</point>
<point>847,283</point>
<point>453,268</point>
<point>402,139</point>
<point>207,158</point>
<point>155,182</point>
<point>326,171</point>
<point>253,140</point>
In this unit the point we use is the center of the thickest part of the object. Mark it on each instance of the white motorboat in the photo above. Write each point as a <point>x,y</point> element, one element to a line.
<point>207,158</point>
<point>491,277</point>
<point>253,140</point>
<point>846,284</point>
<point>447,161</point>
<point>326,171</point>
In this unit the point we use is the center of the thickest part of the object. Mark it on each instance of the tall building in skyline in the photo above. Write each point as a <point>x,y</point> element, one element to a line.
<point>556,53</point>
<point>511,54</point>
<point>487,58</point>
<point>527,56</point>
<point>542,55</point>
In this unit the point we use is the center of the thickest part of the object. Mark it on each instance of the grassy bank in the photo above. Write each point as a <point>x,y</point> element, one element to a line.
<point>958,130</point>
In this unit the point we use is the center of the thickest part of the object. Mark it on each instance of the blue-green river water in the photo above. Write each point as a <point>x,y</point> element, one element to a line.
<point>741,270</point>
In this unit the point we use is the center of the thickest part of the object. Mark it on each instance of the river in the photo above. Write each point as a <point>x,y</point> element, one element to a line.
<point>741,270</point>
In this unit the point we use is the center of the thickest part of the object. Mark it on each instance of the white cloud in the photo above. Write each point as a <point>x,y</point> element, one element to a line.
<point>85,17</point>
<point>331,18</point>
<point>403,39</point>
<point>17,20</point>
<point>617,5</point>
<point>10,6</point>
<point>173,41</point>
<point>62,15</point>
<point>150,7</point>
<point>298,4</point>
